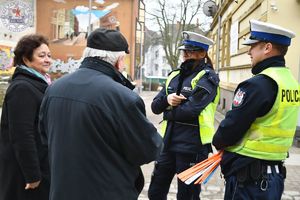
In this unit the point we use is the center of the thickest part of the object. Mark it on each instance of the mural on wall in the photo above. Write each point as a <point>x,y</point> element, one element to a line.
<point>71,26</point>
<point>68,25</point>
<point>6,58</point>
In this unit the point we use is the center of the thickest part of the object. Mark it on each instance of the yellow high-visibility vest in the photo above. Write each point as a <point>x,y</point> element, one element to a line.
<point>206,117</point>
<point>271,136</point>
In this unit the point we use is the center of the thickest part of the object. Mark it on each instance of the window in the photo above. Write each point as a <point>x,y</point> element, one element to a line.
<point>156,54</point>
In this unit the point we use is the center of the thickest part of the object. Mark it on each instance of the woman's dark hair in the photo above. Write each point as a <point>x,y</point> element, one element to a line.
<point>25,47</point>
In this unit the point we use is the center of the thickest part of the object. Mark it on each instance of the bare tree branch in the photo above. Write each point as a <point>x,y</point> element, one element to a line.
<point>172,17</point>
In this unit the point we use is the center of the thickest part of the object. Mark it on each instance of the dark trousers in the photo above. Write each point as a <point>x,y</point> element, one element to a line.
<point>168,164</point>
<point>269,189</point>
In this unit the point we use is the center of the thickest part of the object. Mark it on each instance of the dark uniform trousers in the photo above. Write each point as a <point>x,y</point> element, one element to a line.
<point>168,164</point>
<point>269,186</point>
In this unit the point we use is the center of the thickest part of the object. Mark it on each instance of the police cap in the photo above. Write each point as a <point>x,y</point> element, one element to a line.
<point>267,32</point>
<point>194,41</point>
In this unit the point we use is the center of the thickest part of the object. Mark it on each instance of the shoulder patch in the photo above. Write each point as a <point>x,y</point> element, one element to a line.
<point>214,78</point>
<point>238,98</point>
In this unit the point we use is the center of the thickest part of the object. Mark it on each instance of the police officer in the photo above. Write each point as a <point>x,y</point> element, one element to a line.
<point>257,133</point>
<point>188,102</point>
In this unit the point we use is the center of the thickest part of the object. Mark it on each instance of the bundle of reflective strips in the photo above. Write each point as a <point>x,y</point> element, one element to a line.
<point>203,171</point>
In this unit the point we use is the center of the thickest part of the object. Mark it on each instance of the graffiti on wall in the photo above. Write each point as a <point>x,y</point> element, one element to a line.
<point>64,67</point>
<point>6,57</point>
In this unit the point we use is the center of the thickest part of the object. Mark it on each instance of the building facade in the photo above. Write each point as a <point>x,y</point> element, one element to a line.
<point>155,62</point>
<point>231,26</point>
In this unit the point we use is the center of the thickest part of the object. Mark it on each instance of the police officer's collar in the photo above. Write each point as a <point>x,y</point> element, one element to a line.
<point>192,65</point>
<point>275,61</point>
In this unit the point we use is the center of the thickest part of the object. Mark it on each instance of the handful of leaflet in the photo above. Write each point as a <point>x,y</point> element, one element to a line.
<point>202,171</point>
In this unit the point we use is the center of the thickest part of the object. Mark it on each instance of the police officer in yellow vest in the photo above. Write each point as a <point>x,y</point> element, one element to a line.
<point>188,103</point>
<point>258,132</point>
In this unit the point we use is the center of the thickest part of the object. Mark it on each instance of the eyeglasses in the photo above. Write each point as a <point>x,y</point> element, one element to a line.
<point>187,52</point>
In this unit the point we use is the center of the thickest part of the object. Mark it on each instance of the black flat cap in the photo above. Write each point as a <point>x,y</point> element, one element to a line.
<point>107,39</point>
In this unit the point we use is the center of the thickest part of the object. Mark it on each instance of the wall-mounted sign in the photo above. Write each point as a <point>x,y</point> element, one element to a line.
<point>234,38</point>
<point>16,16</point>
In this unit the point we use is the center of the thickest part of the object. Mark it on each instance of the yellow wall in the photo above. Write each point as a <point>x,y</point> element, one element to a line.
<point>288,16</point>
<point>236,68</point>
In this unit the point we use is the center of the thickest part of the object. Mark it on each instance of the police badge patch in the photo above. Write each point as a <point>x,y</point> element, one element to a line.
<point>17,16</point>
<point>238,98</point>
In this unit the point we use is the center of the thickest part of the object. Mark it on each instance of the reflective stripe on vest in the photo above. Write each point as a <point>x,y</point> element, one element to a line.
<point>165,122</point>
<point>271,135</point>
<point>206,117</point>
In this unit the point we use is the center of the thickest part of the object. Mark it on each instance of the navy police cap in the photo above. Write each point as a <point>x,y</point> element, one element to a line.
<point>262,31</point>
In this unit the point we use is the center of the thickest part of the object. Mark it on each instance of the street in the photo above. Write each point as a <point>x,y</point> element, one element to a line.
<point>214,189</point>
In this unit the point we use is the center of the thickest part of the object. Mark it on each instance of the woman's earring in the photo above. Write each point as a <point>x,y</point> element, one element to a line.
<point>205,60</point>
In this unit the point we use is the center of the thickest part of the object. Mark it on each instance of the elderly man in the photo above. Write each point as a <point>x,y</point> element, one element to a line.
<point>95,127</point>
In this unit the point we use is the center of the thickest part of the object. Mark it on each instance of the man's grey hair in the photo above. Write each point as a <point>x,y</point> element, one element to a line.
<point>108,56</point>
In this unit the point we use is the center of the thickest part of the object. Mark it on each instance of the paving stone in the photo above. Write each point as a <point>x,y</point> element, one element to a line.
<point>292,193</point>
<point>214,188</point>
<point>286,197</point>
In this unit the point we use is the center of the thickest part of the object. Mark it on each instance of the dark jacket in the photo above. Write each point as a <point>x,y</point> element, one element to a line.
<point>23,159</point>
<point>260,93</point>
<point>182,134</point>
<point>98,135</point>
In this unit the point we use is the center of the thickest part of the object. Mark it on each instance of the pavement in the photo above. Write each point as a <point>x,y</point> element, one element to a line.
<point>214,189</point>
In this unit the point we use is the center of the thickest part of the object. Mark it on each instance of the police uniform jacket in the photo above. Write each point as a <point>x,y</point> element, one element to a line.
<point>256,98</point>
<point>182,133</point>
<point>98,135</point>
<point>23,158</point>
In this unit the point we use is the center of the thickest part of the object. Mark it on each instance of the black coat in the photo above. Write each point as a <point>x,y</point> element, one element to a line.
<point>23,159</point>
<point>182,133</point>
<point>97,134</point>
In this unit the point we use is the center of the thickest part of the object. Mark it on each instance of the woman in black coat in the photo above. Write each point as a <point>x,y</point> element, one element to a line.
<point>24,171</point>
<point>188,102</point>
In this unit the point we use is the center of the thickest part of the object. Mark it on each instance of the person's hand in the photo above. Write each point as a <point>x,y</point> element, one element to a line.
<point>32,185</point>
<point>174,99</point>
